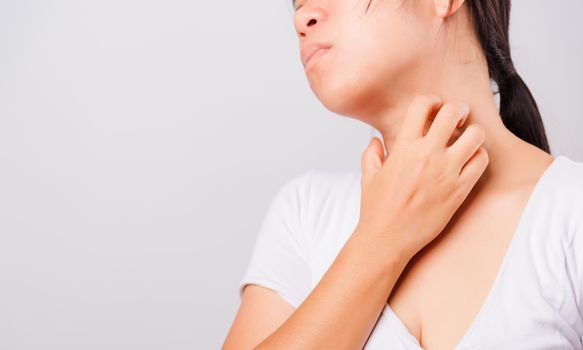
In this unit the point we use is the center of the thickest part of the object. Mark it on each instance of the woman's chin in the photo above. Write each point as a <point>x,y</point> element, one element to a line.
<point>340,97</point>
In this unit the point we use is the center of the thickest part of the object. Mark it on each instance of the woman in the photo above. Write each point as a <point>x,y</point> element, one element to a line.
<point>467,233</point>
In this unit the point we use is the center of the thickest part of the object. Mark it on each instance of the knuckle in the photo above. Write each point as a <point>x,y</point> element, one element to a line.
<point>417,198</point>
<point>423,153</point>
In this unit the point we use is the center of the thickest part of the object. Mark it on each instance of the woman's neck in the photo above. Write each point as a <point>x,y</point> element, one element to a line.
<point>509,156</point>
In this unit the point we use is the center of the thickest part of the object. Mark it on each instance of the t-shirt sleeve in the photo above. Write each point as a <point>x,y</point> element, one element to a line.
<point>574,266</point>
<point>279,259</point>
<point>577,252</point>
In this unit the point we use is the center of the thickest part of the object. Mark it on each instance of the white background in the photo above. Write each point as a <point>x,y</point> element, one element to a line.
<point>141,142</point>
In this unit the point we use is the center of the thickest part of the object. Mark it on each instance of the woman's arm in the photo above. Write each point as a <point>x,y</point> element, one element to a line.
<point>343,308</point>
<point>406,201</point>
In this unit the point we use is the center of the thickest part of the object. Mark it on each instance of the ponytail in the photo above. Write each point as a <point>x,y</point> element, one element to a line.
<point>520,113</point>
<point>518,107</point>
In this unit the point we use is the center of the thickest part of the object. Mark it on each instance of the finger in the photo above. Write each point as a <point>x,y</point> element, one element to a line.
<point>421,108</point>
<point>446,121</point>
<point>474,168</point>
<point>456,133</point>
<point>372,159</point>
<point>379,150</point>
<point>466,145</point>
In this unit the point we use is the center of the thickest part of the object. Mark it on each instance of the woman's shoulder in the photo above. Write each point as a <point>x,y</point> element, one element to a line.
<point>324,199</point>
<point>318,189</point>
<point>330,189</point>
<point>566,207</point>
<point>562,205</point>
<point>334,179</point>
<point>567,184</point>
<point>315,184</point>
<point>571,170</point>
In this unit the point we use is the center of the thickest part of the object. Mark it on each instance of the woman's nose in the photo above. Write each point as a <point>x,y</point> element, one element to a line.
<point>307,18</point>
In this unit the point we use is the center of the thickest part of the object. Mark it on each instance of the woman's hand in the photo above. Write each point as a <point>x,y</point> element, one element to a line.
<point>409,197</point>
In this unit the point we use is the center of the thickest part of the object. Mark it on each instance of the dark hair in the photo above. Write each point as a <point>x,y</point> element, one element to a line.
<point>518,107</point>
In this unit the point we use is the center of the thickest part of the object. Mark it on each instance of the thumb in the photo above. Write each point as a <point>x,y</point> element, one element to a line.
<point>372,159</point>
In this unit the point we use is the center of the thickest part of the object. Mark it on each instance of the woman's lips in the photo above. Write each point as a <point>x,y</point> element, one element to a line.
<point>311,49</point>
<point>315,55</point>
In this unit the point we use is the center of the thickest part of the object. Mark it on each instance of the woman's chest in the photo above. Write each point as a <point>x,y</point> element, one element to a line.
<point>444,289</point>
<point>494,288</point>
<point>491,279</point>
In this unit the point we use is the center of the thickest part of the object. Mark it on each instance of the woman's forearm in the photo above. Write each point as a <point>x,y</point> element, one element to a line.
<point>343,308</point>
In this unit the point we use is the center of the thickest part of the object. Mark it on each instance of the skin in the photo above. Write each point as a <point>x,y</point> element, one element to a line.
<point>422,178</point>
<point>425,50</point>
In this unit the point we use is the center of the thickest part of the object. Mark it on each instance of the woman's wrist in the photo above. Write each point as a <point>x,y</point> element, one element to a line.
<point>377,251</point>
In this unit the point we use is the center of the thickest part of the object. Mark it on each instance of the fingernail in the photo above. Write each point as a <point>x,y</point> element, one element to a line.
<point>377,161</point>
<point>434,97</point>
<point>465,108</point>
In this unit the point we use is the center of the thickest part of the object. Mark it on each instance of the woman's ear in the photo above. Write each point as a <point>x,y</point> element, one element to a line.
<point>443,9</point>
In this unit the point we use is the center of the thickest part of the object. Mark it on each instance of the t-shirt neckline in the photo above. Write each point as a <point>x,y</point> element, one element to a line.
<point>535,193</point>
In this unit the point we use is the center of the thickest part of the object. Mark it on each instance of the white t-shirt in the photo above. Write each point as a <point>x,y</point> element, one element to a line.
<point>535,302</point>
